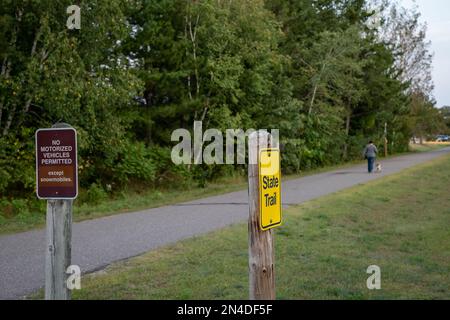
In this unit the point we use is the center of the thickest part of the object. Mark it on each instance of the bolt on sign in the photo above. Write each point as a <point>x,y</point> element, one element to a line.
<point>56,163</point>
<point>269,188</point>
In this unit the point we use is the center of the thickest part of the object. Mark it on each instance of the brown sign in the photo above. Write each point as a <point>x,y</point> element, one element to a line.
<point>56,163</point>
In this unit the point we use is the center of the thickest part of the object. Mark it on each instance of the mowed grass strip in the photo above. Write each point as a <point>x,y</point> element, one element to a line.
<point>428,146</point>
<point>123,202</point>
<point>400,223</point>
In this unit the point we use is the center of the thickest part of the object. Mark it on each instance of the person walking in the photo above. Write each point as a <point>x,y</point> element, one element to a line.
<point>370,153</point>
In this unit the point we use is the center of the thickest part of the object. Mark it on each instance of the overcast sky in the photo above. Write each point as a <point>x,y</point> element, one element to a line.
<point>436,13</point>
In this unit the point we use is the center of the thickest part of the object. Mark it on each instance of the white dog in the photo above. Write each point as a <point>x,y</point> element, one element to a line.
<point>378,168</point>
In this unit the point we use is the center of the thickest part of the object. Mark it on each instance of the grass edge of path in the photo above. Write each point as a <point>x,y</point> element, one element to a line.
<point>152,198</point>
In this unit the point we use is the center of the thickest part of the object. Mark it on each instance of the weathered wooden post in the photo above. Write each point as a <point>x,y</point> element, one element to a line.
<point>57,182</point>
<point>59,249</point>
<point>261,242</point>
<point>385,140</point>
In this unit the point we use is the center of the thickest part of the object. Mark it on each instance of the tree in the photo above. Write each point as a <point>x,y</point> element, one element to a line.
<point>328,73</point>
<point>406,38</point>
<point>426,120</point>
<point>52,74</point>
<point>445,112</point>
<point>213,61</point>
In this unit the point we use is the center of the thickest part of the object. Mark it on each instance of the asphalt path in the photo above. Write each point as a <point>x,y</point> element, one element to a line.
<point>97,243</point>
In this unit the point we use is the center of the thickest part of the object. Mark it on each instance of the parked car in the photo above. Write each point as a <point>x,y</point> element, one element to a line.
<point>442,138</point>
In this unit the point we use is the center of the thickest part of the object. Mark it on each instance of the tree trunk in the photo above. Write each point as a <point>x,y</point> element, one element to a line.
<point>9,121</point>
<point>187,54</point>
<point>347,132</point>
<point>6,68</point>
<point>312,99</point>
<point>193,36</point>
<point>322,70</point>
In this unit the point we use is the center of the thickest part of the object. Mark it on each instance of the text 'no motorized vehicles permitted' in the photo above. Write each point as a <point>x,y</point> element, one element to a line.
<point>270,188</point>
<point>56,163</point>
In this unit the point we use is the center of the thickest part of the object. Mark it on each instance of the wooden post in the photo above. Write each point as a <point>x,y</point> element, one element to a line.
<point>58,252</point>
<point>385,140</point>
<point>385,147</point>
<point>59,248</point>
<point>260,243</point>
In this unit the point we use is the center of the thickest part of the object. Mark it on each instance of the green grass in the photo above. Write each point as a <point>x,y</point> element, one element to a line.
<point>427,147</point>
<point>126,201</point>
<point>23,218</point>
<point>400,223</point>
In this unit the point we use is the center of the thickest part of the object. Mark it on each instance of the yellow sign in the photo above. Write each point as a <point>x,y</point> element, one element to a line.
<point>269,188</point>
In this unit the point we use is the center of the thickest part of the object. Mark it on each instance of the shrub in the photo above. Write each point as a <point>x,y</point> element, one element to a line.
<point>94,194</point>
<point>135,162</point>
<point>167,173</point>
<point>21,210</point>
<point>6,208</point>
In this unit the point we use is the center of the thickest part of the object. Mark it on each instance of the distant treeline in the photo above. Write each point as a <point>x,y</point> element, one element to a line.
<point>329,74</point>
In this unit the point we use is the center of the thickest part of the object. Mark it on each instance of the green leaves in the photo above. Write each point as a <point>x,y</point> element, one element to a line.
<point>138,69</point>
<point>51,74</point>
<point>135,162</point>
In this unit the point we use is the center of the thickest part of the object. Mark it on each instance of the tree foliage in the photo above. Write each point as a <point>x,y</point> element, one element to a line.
<point>321,71</point>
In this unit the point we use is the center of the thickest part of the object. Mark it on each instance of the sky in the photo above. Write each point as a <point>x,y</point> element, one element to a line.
<point>436,13</point>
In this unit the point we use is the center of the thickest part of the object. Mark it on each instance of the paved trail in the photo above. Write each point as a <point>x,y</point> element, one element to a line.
<point>97,243</point>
